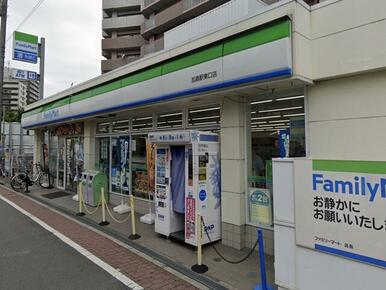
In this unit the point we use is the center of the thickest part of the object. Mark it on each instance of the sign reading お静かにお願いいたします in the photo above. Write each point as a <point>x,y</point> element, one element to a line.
<point>340,208</point>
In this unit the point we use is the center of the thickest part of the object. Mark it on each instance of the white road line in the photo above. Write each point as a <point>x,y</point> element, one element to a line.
<point>112,271</point>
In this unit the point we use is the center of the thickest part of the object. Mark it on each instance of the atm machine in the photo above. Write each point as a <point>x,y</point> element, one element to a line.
<point>187,183</point>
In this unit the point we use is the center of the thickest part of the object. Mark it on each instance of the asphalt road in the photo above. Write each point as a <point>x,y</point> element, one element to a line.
<point>33,258</point>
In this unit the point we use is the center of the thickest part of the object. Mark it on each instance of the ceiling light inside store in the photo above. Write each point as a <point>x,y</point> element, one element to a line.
<point>281,109</point>
<point>270,125</point>
<point>204,110</point>
<point>205,123</point>
<point>258,123</point>
<point>266,117</point>
<point>294,115</point>
<point>261,102</point>
<point>170,115</point>
<point>279,121</point>
<point>203,118</point>
<point>143,118</point>
<point>290,98</point>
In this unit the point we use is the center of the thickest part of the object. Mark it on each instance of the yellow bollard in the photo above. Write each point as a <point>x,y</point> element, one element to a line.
<point>199,267</point>
<point>80,198</point>
<point>103,201</point>
<point>134,235</point>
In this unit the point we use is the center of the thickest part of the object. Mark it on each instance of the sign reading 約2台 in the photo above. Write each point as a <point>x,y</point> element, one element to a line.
<point>341,208</point>
<point>25,47</point>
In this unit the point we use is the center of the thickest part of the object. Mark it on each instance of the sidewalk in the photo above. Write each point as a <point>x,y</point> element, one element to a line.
<point>178,256</point>
<point>144,272</point>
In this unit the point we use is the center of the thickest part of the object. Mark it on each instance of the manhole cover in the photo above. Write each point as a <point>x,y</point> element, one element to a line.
<point>217,259</point>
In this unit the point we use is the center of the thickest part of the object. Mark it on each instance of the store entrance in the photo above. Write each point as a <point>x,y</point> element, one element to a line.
<point>74,162</point>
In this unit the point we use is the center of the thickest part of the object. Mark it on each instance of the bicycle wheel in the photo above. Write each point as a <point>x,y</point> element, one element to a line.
<point>18,182</point>
<point>46,180</point>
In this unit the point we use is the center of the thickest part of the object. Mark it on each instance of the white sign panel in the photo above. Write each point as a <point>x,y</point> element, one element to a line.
<point>24,74</point>
<point>341,208</point>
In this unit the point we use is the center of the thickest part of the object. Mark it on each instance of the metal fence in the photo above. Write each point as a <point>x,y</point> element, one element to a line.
<point>16,149</point>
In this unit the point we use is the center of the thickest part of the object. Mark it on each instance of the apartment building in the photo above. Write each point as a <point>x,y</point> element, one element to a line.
<point>134,28</point>
<point>19,93</point>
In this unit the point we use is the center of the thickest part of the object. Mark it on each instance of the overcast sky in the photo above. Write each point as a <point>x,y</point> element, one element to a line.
<point>72,29</point>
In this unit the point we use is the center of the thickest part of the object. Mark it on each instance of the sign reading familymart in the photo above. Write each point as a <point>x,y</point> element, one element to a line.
<point>25,47</point>
<point>341,208</point>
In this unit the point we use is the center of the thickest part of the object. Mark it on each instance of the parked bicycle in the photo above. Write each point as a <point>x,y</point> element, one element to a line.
<point>22,180</point>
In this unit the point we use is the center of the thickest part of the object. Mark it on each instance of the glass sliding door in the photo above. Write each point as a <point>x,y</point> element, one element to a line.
<point>74,162</point>
<point>61,163</point>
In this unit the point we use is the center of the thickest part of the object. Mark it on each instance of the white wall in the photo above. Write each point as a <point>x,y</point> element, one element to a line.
<point>347,118</point>
<point>348,37</point>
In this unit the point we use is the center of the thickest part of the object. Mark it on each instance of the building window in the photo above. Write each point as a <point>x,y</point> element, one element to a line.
<point>276,128</point>
<point>169,120</point>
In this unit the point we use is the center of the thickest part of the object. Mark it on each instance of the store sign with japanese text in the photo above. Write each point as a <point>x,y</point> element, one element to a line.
<point>340,208</point>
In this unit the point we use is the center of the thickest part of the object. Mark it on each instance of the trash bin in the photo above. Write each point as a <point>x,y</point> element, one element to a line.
<point>92,183</point>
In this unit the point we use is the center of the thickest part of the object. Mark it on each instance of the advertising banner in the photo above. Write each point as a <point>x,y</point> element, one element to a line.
<point>24,74</point>
<point>340,208</point>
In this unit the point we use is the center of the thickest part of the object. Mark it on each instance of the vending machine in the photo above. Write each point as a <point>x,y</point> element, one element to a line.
<point>187,184</point>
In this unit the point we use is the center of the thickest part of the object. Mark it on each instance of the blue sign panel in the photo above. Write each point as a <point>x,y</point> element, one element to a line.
<point>25,56</point>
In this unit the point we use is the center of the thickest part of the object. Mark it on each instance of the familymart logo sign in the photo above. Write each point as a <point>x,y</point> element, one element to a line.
<point>340,208</point>
<point>25,47</point>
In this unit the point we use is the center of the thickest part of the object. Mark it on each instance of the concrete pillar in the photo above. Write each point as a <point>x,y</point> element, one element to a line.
<point>232,171</point>
<point>89,145</point>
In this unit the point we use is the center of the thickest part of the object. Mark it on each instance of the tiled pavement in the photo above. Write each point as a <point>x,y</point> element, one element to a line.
<point>144,272</point>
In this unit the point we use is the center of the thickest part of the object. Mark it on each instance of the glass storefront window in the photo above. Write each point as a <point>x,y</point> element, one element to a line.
<point>103,155</point>
<point>74,162</point>
<point>120,164</point>
<point>61,162</point>
<point>142,123</point>
<point>103,128</point>
<point>169,120</point>
<point>140,175</point>
<point>121,126</point>
<point>207,116</point>
<point>53,156</point>
<point>277,129</point>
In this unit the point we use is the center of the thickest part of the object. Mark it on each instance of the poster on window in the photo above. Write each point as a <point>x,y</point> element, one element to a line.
<point>260,206</point>
<point>150,162</point>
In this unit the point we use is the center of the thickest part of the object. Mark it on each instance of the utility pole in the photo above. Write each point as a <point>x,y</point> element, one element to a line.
<point>3,31</point>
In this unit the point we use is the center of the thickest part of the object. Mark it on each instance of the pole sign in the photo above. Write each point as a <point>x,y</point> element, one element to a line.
<point>340,208</point>
<point>24,74</point>
<point>25,47</point>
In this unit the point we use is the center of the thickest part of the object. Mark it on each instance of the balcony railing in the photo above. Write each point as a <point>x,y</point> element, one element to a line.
<point>149,23</point>
<point>188,4</point>
<point>148,2</point>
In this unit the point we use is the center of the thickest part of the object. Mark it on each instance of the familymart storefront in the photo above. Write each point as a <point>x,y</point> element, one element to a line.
<point>239,85</point>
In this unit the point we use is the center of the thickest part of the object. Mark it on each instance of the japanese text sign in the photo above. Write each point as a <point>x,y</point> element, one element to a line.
<point>340,208</point>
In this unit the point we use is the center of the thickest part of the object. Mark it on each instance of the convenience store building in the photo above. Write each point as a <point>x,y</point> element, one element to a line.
<point>314,73</point>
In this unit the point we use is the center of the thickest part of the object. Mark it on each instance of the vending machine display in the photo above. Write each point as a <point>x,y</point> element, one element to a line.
<point>187,184</point>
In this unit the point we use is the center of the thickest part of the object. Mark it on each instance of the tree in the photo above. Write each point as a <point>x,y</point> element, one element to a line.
<point>13,115</point>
